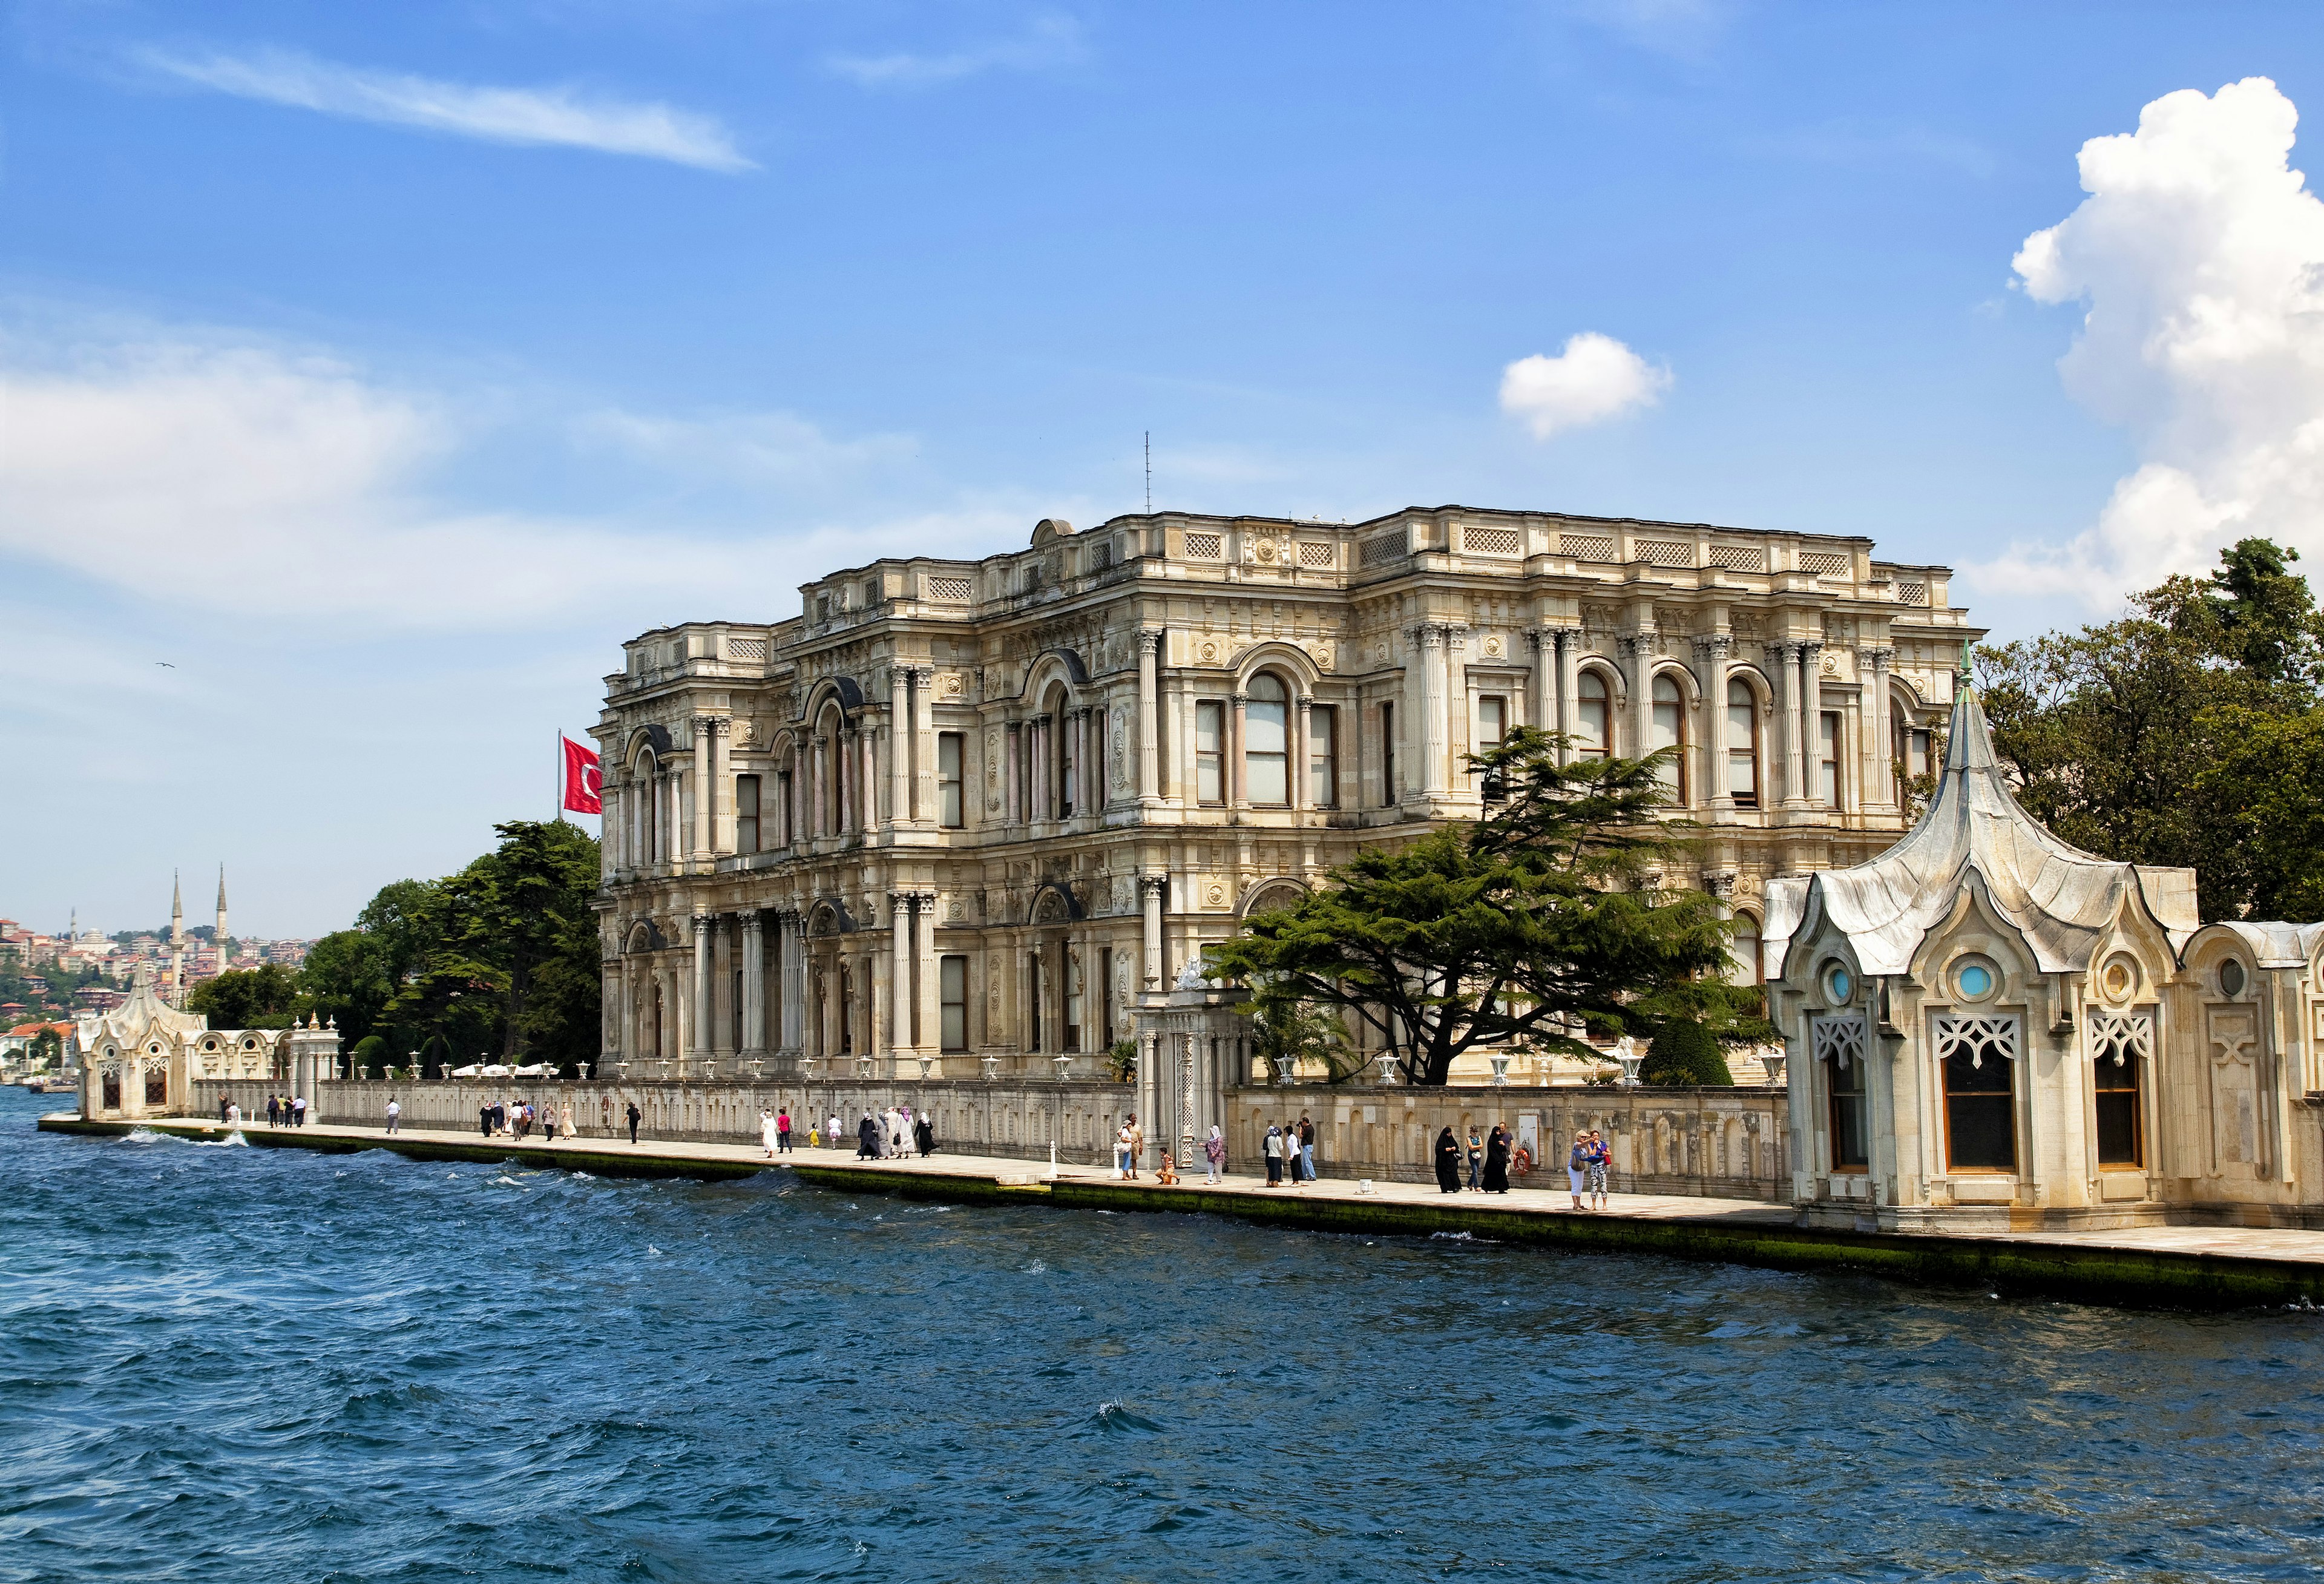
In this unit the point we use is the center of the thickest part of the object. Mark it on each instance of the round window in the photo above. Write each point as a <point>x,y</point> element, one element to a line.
<point>2231,977</point>
<point>1837,983</point>
<point>2118,979</point>
<point>1975,982</point>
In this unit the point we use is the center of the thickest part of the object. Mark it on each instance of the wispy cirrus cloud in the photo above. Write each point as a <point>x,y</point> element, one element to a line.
<point>1048,43</point>
<point>558,117</point>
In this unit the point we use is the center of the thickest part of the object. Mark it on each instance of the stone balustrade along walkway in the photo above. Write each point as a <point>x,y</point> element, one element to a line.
<point>2193,1267</point>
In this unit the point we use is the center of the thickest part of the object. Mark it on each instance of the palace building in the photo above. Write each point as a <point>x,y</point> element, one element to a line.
<point>959,814</point>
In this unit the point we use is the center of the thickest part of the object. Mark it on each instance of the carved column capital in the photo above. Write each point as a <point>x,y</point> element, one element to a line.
<point>1714,646</point>
<point>1149,640</point>
<point>704,923</point>
<point>1152,885</point>
<point>1721,883</point>
<point>902,902</point>
<point>1881,659</point>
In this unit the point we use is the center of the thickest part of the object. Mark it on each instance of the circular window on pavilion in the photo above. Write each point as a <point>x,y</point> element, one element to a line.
<point>1839,984</point>
<point>2119,979</point>
<point>2232,978</point>
<point>1975,979</point>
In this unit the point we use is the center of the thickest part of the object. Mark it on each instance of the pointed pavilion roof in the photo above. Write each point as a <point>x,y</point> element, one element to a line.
<point>2059,898</point>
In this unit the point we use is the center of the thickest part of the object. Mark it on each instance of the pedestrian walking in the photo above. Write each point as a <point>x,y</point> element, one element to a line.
<point>867,1139</point>
<point>831,1134</point>
<point>274,1107</point>
<point>223,1103</point>
<point>1274,1155</point>
<point>1215,1154</point>
<point>924,1135</point>
<point>1601,1158</point>
<point>783,1130</point>
<point>1121,1150</point>
<point>233,1114</point>
<point>1476,1154</point>
<point>565,1129</point>
<point>1137,1147</point>
<point>299,1111</point>
<point>1448,1162</point>
<point>394,1114</point>
<point>636,1116</point>
<point>1496,1160</point>
<point>484,1118</point>
<point>767,1131</point>
<point>1577,1166</point>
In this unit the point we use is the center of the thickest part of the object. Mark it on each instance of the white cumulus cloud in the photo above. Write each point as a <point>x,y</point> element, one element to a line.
<point>2199,255</point>
<point>1595,378</point>
<point>561,117</point>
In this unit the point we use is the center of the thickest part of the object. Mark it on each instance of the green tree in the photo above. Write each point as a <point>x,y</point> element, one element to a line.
<point>2177,734</point>
<point>346,979</point>
<point>1538,924</point>
<point>1686,1053</point>
<point>264,997</point>
<point>47,1049</point>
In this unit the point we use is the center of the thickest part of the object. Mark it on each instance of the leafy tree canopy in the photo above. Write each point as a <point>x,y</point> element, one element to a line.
<point>1544,921</point>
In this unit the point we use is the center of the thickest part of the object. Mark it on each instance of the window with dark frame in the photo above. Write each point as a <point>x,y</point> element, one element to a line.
<point>1266,756</point>
<point>1594,718</point>
<point>1387,755</point>
<point>2120,1044</point>
<point>746,815</point>
<point>949,805</point>
<point>1742,744</point>
<point>1322,757</point>
<point>952,1000</point>
<point>1209,751</point>
<point>1851,1137</point>
<point>1980,1093</point>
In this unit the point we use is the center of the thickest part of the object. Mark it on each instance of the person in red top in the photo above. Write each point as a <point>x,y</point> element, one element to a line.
<point>783,1130</point>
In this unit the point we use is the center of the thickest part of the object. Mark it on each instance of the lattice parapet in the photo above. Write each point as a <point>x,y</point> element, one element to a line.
<point>1203,547</point>
<point>1492,541</point>
<point>1740,557</point>
<point>746,649</point>
<point>1380,551</point>
<point>1586,547</point>
<point>1318,553</point>
<point>1663,552</point>
<point>950,590</point>
<point>1825,563</point>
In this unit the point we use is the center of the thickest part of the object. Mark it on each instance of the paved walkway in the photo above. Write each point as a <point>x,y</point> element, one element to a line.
<point>2231,1242</point>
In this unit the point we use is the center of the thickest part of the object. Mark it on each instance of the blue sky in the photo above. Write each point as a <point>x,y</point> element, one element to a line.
<point>381,367</point>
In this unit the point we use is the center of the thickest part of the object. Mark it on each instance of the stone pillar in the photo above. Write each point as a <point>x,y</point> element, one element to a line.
<point>1811,722</point>
<point>1638,653</point>
<point>1015,740</point>
<point>899,748</point>
<point>1235,779</point>
<point>900,988</point>
<point>1783,668</point>
<point>705,735</point>
<point>1710,671</point>
<point>721,784</point>
<point>1569,685</point>
<point>1301,747</point>
<point>929,1040</point>
<point>923,753</point>
<point>1879,783</point>
<point>703,1015</point>
<point>817,797</point>
<point>754,984</point>
<point>1428,641</point>
<point>870,776</point>
<point>1541,709</point>
<point>1149,706</point>
<point>791,964</point>
<point>843,749</point>
<point>1150,894</point>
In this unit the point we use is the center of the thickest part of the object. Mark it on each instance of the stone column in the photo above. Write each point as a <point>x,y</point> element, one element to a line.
<point>1783,668</point>
<point>848,769</point>
<point>704,923</point>
<point>704,736</point>
<point>899,748</point>
<point>924,752</point>
<point>870,775</point>
<point>721,784</point>
<point>1235,779</point>
<point>1569,685</point>
<point>899,989</point>
<point>1638,653</point>
<point>1300,747</point>
<point>1711,670</point>
<point>1149,895</point>
<point>1149,707</point>
<point>1879,783</point>
<point>1015,741</point>
<point>1428,641</point>
<point>790,964</point>
<point>754,984</point>
<point>1812,722</point>
<point>929,1041</point>
<point>1541,709</point>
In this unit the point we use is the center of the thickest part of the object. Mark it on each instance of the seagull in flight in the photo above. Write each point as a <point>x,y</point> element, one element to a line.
<point>165,663</point>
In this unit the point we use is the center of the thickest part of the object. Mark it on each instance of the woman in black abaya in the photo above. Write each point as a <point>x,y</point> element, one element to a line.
<point>1496,1160</point>
<point>1448,1162</point>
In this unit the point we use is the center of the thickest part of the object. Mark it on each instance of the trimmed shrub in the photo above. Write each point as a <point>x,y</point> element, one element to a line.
<point>1684,1054</point>
<point>371,1052</point>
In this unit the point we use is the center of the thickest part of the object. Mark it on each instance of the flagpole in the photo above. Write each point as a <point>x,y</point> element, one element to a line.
<point>559,816</point>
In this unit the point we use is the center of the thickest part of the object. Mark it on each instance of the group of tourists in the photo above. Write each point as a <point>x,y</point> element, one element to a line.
<point>1585,1168</point>
<point>895,1134</point>
<point>1290,1149</point>
<point>774,1131</point>
<point>283,1110</point>
<point>1487,1158</point>
<point>1130,1149</point>
<point>499,1119</point>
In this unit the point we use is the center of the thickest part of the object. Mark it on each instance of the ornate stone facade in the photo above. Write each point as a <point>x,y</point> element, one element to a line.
<point>959,814</point>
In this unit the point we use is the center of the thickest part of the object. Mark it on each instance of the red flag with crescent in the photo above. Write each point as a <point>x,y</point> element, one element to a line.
<point>582,789</point>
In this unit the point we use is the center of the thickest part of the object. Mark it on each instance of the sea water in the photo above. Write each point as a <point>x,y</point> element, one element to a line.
<point>274,1365</point>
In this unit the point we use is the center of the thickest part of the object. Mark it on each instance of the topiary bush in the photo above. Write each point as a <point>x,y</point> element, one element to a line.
<point>1684,1054</point>
<point>370,1052</point>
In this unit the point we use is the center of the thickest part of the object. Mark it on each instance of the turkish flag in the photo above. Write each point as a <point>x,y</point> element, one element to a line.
<point>582,782</point>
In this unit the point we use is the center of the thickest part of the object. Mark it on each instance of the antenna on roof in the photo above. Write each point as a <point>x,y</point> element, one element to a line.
<point>1150,473</point>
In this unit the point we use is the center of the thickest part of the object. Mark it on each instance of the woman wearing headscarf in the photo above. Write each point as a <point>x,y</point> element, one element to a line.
<point>565,1121</point>
<point>1214,1153</point>
<point>1448,1162</point>
<point>767,1130</point>
<point>923,1134</point>
<point>867,1139</point>
<point>1496,1160</point>
<point>1273,1156</point>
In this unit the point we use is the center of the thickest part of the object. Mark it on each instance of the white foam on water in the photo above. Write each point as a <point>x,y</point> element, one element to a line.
<point>233,1140</point>
<point>146,1136</point>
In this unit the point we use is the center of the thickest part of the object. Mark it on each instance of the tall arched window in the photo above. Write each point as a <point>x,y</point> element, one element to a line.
<point>1670,732</point>
<point>1593,719</point>
<point>1266,769</point>
<point>1743,955</point>
<point>1742,744</point>
<point>645,814</point>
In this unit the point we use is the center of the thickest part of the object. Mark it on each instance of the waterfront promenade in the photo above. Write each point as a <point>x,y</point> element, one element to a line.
<point>2195,1266</point>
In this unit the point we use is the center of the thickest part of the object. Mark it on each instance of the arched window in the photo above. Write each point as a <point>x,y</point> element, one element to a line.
<point>1743,955</point>
<point>1266,767</point>
<point>1593,720</point>
<point>1742,744</point>
<point>645,816</point>
<point>1670,732</point>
